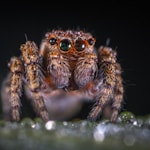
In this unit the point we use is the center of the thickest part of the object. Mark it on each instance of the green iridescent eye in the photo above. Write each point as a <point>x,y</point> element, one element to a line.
<point>52,41</point>
<point>65,45</point>
<point>80,45</point>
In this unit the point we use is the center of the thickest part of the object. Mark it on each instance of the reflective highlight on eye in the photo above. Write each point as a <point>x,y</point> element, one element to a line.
<point>52,41</point>
<point>65,45</point>
<point>80,45</point>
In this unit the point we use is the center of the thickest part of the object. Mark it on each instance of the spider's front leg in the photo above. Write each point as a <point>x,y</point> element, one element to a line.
<point>110,85</point>
<point>107,86</point>
<point>34,78</point>
<point>11,90</point>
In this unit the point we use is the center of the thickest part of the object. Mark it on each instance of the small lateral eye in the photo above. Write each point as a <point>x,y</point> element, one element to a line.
<point>52,41</point>
<point>91,41</point>
<point>80,45</point>
<point>65,45</point>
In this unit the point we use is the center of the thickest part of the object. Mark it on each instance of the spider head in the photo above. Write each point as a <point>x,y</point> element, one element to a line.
<point>69,43</point>
<point>70,40</point>
<point>82,42</point>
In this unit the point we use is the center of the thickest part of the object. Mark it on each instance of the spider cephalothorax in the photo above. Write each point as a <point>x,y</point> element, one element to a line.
<point>67,68</point>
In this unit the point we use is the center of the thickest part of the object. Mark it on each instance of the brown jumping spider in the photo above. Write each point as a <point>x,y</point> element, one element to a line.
<point>66,70</point>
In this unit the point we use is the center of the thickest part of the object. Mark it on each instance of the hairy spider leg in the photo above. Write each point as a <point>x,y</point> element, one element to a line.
<point>33,77</point>
<point>106,87</point>
<point>12,89</point>
<point>118,93</point>
<point>111,87</point>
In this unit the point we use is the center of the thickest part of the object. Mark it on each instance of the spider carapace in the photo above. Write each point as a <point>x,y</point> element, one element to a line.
<point>65,71</point>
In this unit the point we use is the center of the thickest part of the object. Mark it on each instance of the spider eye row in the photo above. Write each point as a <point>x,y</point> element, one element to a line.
<point>65,44</point>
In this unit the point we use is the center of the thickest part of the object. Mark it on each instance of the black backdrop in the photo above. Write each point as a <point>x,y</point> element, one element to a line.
<point>127,27</point>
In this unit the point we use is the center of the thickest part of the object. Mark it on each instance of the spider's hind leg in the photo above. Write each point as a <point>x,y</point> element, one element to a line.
<point>11,90</point>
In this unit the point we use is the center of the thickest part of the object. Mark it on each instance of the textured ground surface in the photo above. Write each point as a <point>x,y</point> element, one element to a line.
<point>128,133</point>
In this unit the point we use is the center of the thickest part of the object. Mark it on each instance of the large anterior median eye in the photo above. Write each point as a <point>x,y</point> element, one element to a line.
<point>65,45</point>
<point>80,45</point>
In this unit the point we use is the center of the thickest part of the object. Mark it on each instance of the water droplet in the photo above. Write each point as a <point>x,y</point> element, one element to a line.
<point>50,125</point>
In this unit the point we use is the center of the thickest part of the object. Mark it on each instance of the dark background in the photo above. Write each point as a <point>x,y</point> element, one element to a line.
<point>127,27</point>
